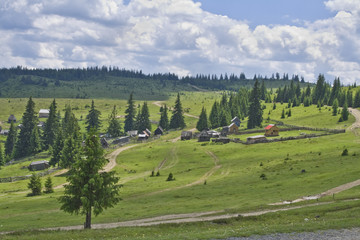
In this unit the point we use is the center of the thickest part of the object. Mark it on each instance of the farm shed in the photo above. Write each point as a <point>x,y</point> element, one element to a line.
<point>221,140</point>
<point>12,118</point>
<point>271,130</point>
<point>237,121</point>
<point>38,165</point>
<point>4,132</point>
<point>213,134</point>
<point>159,131</point>
<point>121,140</point>
<point>255,139</point>
<point>204,137</point>
<point>44,113</point>
<point>133,133</point>
<point>233,129</point>
<point>142,137</point>
<point>186,135</point>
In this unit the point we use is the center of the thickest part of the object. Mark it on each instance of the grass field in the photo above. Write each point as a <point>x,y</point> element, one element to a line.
<point>231,173</point>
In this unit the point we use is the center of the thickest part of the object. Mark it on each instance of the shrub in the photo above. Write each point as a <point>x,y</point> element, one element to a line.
<point>158,173</point>
<point>170,177</point>
<point>35,185</point>
<point>263,176</point>
<point>345,152</point>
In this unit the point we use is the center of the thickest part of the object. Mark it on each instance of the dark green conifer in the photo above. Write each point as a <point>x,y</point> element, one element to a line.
<point>51,126</point>
<point>177,118</point>
<point>202,124</point>
<point>164,120</point>
<point>114,128</point>
<point>11,141</point>
<point>130,115</point>
<point>255,109</point>
<point>93,118</point>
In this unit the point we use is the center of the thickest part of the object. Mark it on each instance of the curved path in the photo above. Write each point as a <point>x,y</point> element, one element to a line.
<point>356,113</point>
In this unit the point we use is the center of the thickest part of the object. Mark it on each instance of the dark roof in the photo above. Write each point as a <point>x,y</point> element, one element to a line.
<point>12,118</point>
<point>235,119</point>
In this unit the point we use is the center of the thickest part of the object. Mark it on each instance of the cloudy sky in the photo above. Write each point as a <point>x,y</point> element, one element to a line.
<point>304,37</point>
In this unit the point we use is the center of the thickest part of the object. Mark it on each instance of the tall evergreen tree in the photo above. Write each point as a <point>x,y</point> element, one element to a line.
<point>225,117</point>
<point>262,90</point>
<point>2,158</point>
<point>69,123</point>
<point>57,149</point>
<point>70,153</point>
<point>335,91</point>
<point>255,110</point>
<point>214,117</point>
<point>35,143</point>
<point>29,119</point>
<point>93,118</point>
<point>89,189</point>
<point>164,120</point>
<point>335,106</point>
<point>11,140</point>
<point>130,115</point>
<point>51,126</point>
<point>114,128</point>
<point>344,113</point>
<point>35,185</point>
<point>202,124</point>
<point>357,99</point>
<point>177,118</point>
<point>143,121</point>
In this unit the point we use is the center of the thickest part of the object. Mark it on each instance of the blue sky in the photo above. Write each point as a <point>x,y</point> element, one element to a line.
<point>186,37</point>
<point>269,12</point>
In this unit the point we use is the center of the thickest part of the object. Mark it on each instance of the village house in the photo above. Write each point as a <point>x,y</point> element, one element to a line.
<point>204,136</point>
<point>256,139</point>
<point>271,130</point>
<point>12,118</point>
<point>237,121</point>
<point>159,131</point>
<point>213,134</point>
<point>39,165</point>
<point>147,132</point>
<point>142,137</point>
<point>44,113</point>
<point>122,140</point>
<point>233,128</point>
<point>186,135</point>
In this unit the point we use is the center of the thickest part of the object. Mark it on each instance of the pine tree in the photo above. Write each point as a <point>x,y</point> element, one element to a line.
<point>345,112</point>
<point>48,185</point>
<point>57,149</point>
<point>214,117</point>
<point>289,113</point>
<point>335,106</point>
<point>283,113</point>
<point>202,124</point>
<point>70,153</point>
<point>51,126</point>
<point>89,189</point>
<point>177,118</point>
<point>143,121</point>
<point>11,140</point>
<point>262,91</point>
<point>2,157</point>
<point>35,185</point>
<point>69,123</point>
<point>114,128</point>
<point>35,143</point>
<point>29,119</point>
<point>255,110</point>
<point>93,118</point>
<point>164,120</point>
<point>130,115</point>
<point>225,117</point>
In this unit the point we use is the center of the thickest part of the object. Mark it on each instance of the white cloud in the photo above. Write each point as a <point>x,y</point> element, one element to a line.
<point>176,36</point>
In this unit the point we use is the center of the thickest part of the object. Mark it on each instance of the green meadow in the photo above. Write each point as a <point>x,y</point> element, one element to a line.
<point>225,178</point>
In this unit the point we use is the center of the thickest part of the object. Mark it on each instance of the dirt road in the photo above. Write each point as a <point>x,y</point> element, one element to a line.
<point>356,124</point>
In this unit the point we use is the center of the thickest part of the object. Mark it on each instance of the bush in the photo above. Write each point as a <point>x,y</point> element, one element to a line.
<point>263,176</point>
<point>170,177</point>
<point>345,152</point>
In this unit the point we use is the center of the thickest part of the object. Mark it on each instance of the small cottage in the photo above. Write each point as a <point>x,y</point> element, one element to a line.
<point>39,165</point>
<point>271,130</point>
<point>186,135</point>
<point>204,137</point>
<point>44,113</point>
<point>237,121</point>
<point>233,129</point>
<point>12,118</point>
<point>159,131</point>
<point>213,134</point>
<point>256,139</point>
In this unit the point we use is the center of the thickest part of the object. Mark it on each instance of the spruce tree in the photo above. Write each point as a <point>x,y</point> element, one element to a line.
<point>202,124</point>
<point>164,120</point>
<point>70,153</point>
<point>214,117</point>
<point>35,185</point>
<point>335,106</point>
<point>255,109</point>
<point>114,128</point>
<point>57,149</point>
<point>69,123</point>
<point>2,157</point>
<point>48,185</point>
<point>51,126</point>
<point>345,112</point>
<point>225,117</point>
<point>144,121</point>
<point>35,143</point>
<point>177,118</point>
<point>11,140</point>
<point>93,118</point>
<point>130,115</point>
<point>29,119</point>
<point>283,113</point>
<point>262,91</point>
<point>90,190</point>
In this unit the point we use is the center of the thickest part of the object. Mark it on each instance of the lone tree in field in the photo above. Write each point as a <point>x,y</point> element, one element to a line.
<point>23,147</point>
<point>92,119</point>
<point>335,106</point>
<point>255,110</point>
<point>164,120</point>
<point>90,190</point>
<point>130,115</point>
<point>202,124</point>
<point>177,119</point>
<point>344,113</point>
<point>10,141</point>
<point>48,185</point>
<point>114,128</point>
<point>35,185</point>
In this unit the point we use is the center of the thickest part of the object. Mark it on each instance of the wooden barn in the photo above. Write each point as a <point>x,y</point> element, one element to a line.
<point>44,113</point>
<point>159,131</point>
<point>12,118</point>
<point>233,128</point>
<point>122,140</point>
<point>204,136</point>
<point>271,130</point>
<point>39,165</point>
<point>186,135</point>
<point>255,139</point>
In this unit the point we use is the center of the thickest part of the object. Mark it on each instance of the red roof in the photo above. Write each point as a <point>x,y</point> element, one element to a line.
<point>269,126</point>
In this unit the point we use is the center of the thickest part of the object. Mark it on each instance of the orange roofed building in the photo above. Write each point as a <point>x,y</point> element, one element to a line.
<point>271,130</point>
